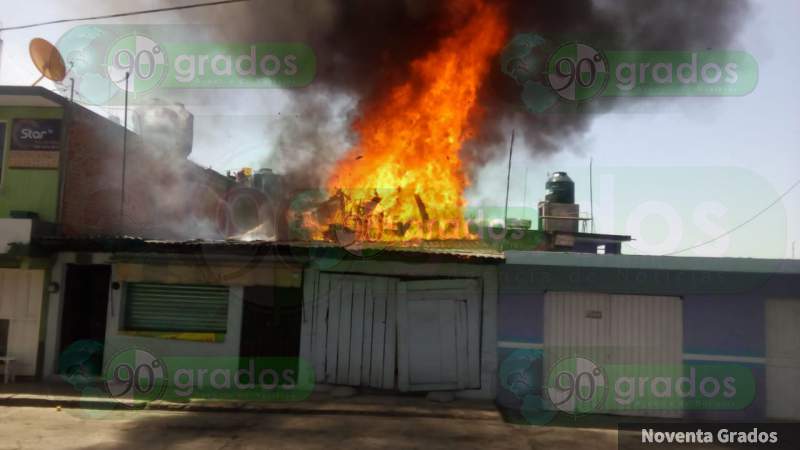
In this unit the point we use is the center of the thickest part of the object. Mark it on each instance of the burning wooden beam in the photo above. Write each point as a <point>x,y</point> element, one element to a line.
<point>423,212</point>
<point>368,208</point>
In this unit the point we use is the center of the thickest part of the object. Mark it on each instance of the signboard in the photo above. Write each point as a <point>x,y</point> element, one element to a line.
<point>35,143</point>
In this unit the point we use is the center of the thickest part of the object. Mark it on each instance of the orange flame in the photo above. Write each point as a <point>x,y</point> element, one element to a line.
<point>405,180</point>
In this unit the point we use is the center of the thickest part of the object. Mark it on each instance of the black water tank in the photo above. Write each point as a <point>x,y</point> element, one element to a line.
<point>560,188</point>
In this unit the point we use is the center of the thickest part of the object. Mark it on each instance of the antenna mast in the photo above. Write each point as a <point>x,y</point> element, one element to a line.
<point>124,157</point>
<point>591,194</point>
<point>508,179</point>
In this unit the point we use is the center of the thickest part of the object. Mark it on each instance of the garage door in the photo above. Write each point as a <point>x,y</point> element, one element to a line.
<point>383,333</point>
<point>783,358</point>
<point>636,332</point>
<point>353,330</point>
<point>438,335</point>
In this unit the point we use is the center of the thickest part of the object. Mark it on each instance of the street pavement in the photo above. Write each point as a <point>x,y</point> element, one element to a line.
<point>70,428</point>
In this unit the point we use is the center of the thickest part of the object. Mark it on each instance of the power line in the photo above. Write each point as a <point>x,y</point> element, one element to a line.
<point>754,217</point>
<point>123,14</point>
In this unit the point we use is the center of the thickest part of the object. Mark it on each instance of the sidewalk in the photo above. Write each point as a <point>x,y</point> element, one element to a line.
<point>55,394</point>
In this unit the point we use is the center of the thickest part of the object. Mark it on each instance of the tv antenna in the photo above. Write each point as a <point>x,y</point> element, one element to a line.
<point>47,59</point>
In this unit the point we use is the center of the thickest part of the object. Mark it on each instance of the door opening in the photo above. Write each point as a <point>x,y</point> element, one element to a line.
<point>271,322</point>
<point>83,321</point>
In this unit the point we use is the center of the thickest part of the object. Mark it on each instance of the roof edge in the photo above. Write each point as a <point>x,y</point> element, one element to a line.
<point>33,91</point>
<point>653,262</point>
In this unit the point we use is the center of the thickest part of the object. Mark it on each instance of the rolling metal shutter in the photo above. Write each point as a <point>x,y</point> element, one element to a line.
<point>176,307</point>
<point>637,331</point>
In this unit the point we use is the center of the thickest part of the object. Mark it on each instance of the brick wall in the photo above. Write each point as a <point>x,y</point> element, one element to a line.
<point>166,196</point>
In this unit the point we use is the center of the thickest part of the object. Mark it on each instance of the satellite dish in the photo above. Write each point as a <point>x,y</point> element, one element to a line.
<point>47,59</point>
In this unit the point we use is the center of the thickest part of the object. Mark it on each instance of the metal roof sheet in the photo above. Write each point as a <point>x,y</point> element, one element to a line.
<point>460,249</point>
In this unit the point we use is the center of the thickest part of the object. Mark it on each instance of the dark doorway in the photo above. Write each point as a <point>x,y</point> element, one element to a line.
<point>83,320</point>
<point>271,321</point>
<point>4,325</point>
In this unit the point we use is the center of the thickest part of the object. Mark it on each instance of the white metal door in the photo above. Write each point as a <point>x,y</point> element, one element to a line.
<point>438,335</point>
<point>641,333</point>
<point>647,339</point>
<point>576,324</point>
<point>783,358</point>
<point>21,293</point>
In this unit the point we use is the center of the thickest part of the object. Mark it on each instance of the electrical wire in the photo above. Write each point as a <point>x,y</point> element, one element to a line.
<point>123,14</point>
<point>754,217</point>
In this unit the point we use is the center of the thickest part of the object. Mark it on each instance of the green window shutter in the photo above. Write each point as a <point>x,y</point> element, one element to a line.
<point>176,307</point>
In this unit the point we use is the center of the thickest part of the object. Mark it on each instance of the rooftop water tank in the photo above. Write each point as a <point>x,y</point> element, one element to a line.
<point>560,188</point>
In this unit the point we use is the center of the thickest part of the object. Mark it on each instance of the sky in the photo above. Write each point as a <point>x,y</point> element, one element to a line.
<point>674,174</point>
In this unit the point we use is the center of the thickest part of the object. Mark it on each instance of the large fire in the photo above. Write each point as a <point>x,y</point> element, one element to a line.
<point>404,180</point>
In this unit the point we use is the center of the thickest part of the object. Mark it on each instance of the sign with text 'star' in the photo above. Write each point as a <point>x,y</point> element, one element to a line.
<point>35,144</point>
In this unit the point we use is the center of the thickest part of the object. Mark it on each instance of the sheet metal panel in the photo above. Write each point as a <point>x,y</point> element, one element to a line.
<point>570,328</point>
<point>438,335</point>
<point>366,348</point>
<point>647,332</point>
<point>637,331</point>
<point>352,330</point>
<point>379,297</point>
<point>390,338</point>
<point>319,326</point>
<point>331,341</point>
<point>345,327</point>
<point>783,358</point>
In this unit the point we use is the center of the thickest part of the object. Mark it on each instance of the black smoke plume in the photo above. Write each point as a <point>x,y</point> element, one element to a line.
<point>365,46</point>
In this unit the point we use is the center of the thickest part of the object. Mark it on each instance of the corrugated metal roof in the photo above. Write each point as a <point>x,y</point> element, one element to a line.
<point>474,249</point>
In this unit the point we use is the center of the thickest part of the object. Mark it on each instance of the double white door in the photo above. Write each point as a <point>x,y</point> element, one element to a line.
<point>391,334</point>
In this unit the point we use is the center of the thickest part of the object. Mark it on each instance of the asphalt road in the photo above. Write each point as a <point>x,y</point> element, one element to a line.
<point>38,428</point>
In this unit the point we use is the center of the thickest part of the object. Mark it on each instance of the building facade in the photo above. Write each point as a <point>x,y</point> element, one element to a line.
<point>61,172</point>
<point>389,322</point>
<point>30,138</point>
<point>655,318</point>
<point>650,335</point>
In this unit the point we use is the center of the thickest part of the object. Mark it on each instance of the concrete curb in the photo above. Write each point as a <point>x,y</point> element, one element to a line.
<point>67,402</point>
<point>308,408</point>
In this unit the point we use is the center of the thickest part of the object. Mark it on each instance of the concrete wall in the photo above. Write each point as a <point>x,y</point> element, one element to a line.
<point>116,339</point>
<point>33,190</point>
<point>14,231</point>
<point>166,195</point>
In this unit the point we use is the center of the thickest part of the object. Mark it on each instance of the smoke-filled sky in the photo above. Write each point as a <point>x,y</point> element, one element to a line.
<point>674,172</point>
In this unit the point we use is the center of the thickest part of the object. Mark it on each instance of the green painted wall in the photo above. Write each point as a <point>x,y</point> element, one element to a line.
<point>27,189</point>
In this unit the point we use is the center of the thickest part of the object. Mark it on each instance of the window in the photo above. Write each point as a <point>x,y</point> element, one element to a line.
<point>176,307</point>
